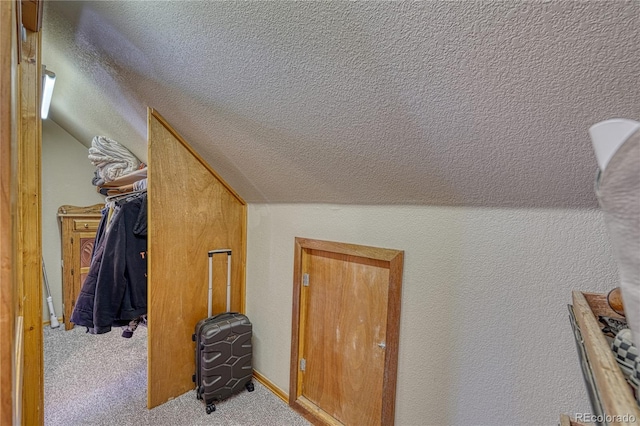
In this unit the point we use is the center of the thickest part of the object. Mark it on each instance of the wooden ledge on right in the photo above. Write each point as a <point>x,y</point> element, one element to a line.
<point>612,398</point>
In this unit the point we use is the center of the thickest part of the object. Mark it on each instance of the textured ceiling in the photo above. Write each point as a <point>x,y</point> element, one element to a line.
<point>483,103</point>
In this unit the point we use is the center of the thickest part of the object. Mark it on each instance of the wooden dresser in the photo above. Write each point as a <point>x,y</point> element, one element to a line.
<point>78,228</point>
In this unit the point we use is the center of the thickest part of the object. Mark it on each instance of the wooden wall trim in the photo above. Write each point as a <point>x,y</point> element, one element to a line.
<point>29,250</point>
<point>294,385</point>
<point>396,266</point>
<point>8,61</point>
<point>375,253</point>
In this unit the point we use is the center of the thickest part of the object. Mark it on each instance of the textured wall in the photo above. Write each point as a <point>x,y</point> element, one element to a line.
<point>485,337</point>
<point>481,103</point>
<point>66,179</point>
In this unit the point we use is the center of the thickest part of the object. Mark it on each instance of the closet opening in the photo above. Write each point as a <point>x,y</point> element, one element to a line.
<point>94,247</point>
<point>178,235</point>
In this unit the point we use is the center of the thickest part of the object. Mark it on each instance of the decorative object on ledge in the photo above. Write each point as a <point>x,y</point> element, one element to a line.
<point>614,298</point>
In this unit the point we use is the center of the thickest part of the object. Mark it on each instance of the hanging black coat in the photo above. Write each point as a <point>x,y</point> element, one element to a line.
<point>115,290</point>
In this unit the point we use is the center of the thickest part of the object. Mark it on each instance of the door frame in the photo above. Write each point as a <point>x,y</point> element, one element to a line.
<point>395,261</point>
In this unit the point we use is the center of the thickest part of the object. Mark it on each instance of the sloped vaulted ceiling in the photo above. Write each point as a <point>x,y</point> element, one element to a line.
<point>479,103</point>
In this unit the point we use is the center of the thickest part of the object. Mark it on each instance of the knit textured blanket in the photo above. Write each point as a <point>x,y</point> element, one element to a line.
<point>111,159</point>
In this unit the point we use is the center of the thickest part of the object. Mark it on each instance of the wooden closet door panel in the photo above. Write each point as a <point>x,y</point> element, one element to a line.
<point>191,210</point>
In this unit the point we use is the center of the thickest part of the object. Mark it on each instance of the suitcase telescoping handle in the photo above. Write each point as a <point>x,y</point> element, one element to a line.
<point>211,253</point>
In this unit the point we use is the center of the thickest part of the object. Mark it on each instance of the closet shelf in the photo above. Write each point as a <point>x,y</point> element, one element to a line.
<point>611,397</point>
<point>127,179</point>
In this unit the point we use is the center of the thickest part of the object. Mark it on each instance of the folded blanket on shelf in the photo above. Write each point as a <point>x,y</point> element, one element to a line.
<point>111,160</point>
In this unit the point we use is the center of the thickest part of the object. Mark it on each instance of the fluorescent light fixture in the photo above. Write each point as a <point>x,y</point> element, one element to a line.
<point>48,80</point>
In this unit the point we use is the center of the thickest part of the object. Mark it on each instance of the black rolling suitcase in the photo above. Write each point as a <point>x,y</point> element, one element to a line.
<point>223,349</point>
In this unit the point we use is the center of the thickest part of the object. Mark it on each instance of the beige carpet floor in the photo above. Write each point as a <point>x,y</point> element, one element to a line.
<point>102,380</point>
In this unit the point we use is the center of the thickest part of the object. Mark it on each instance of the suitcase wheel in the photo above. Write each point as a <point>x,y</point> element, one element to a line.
<point>193,337</point>
<point>250,386</point>
<point>193,378</point>
<point>211,408</point>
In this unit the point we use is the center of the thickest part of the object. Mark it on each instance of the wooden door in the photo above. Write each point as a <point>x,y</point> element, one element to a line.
<point>346,332</point>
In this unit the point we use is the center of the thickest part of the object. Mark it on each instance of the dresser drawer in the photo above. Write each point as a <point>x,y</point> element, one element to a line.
<point>85,224</point>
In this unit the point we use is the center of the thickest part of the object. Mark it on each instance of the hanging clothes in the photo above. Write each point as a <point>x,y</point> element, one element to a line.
<point>115,290</point>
